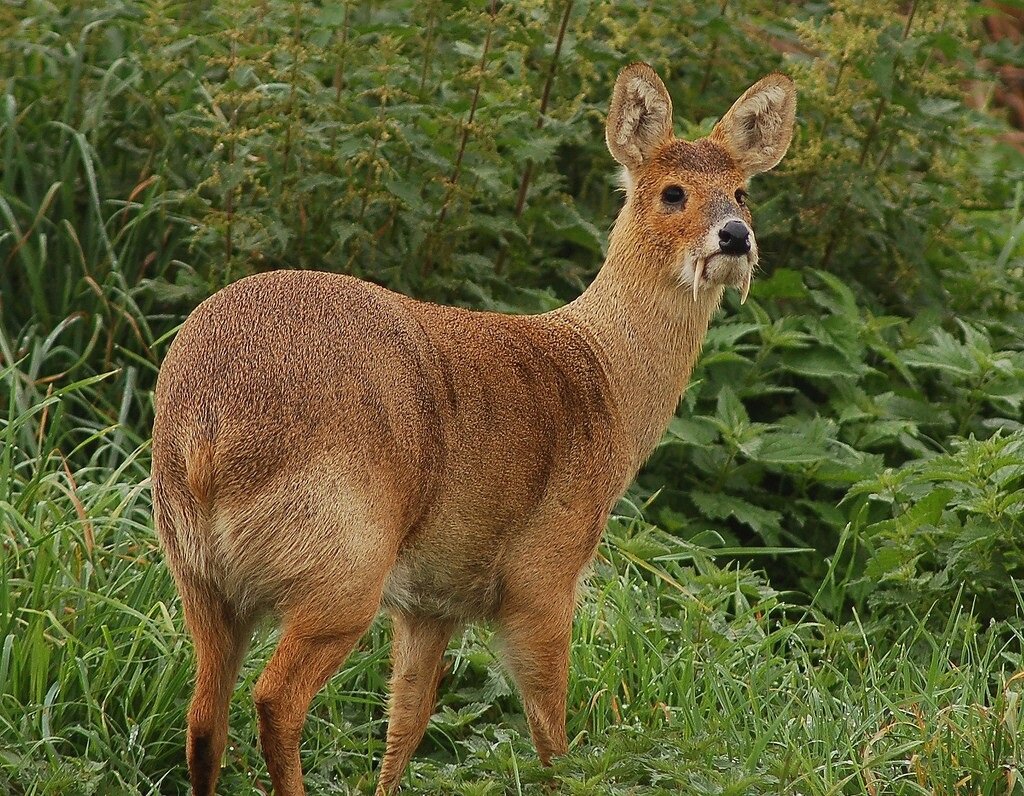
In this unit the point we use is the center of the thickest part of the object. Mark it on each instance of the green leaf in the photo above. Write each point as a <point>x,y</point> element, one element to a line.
<point>784,283</point>
<point>731,412</point>
<point>783,447</point>
<point>719,506</point>
<point>821,363</point>
<point>693,430</point>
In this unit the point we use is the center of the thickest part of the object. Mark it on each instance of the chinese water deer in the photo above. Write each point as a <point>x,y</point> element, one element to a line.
<point>324,447</point>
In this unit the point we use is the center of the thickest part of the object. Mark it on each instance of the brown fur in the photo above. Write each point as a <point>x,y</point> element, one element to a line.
<point>324,447</point>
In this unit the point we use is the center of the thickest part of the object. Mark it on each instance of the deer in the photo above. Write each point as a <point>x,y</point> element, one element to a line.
<point>325,450</point>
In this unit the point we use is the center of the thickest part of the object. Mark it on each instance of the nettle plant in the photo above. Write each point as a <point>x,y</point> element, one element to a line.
<point>951,533</point>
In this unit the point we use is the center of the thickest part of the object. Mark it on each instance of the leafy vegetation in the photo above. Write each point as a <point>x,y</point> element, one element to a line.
<point>814,587</point>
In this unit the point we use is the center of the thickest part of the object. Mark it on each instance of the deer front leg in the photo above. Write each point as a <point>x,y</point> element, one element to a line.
<point>536,632</point>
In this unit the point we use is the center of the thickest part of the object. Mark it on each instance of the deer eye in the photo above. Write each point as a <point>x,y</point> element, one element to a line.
<point>673,195</point>
<point>741,197</point>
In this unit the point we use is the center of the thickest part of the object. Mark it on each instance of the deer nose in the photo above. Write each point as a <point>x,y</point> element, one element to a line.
<point>734,238</point>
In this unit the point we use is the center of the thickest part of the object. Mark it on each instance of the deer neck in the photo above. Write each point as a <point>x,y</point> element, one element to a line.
<point>648,330</point>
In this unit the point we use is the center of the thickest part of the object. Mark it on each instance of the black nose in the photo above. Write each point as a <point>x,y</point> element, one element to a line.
<point>734,238</point>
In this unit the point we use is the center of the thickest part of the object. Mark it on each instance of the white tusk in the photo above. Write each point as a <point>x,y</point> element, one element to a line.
<point>746,288</point>
<point>698,271</point>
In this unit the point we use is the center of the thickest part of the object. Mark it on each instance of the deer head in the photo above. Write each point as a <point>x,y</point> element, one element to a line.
<point>687,199</point>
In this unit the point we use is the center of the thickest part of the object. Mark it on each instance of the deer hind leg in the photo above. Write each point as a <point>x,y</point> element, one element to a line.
<point>536,633</point>
<point>221,638</point>
<point>417,647</point>
<point>318,636</point>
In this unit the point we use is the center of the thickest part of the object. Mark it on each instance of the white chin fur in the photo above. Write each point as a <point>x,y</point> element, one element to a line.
<point>705,267</point>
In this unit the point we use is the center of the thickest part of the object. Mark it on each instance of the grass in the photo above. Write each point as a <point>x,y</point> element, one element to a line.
<point>687,676</point>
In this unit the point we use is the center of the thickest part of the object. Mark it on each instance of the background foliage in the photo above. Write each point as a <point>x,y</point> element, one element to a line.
<point>824,555</point>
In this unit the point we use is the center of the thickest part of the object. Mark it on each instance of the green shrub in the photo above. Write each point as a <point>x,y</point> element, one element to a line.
<point>952,532</point>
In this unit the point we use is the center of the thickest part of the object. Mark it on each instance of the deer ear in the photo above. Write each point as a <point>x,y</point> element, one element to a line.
<point>759,126</point>
<point>640,116</point>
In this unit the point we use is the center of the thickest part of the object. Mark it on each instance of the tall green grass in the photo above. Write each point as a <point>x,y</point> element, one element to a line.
<point>688,676</point>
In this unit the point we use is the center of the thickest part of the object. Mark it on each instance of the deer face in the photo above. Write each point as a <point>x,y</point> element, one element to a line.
<point>689,198</point>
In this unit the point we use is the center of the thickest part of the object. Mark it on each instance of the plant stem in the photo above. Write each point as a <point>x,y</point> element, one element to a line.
<point>290,175</point>
<point>428,51</point>
<point>839,228</point>
<point>711,55</point>
<point>524,182</point>
<point>339,70</point>
<point>453,181</point>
